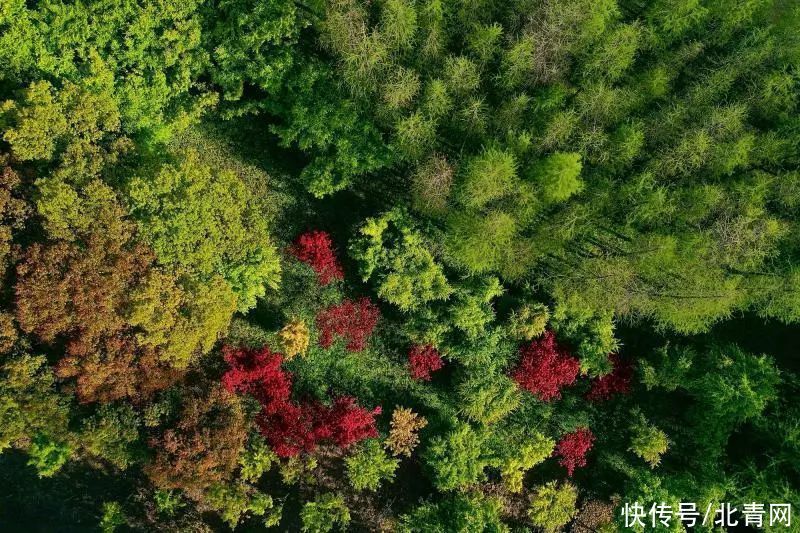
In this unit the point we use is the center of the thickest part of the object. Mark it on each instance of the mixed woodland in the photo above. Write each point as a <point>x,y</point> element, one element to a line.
<point>396,265</point>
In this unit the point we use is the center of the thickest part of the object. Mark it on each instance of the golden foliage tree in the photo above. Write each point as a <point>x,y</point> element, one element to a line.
<point>294,338</point>
<point>403,436</point>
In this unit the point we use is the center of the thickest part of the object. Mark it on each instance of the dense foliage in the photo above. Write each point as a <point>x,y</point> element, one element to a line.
<point>396,265</point>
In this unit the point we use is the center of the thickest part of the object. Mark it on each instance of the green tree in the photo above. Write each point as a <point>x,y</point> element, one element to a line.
<point>47,456</point>
<point>457,459</point>
<point>76,125</point>
<point>257,459</point>
<point>250,43</point>
<point>234,501</point>
<point>558,176</point>
<point>320,119</point>
<point>486,398</point>
<point>488,177</point>
<point>29,402</point>
<point>112,434</point>
<point>370,466</point>
<point>517,460</point>
<point>390,250</point>
<point>553,505</point>
<point>728,387</point>
<point>152,51</point>
<point>325,512</point>
<point>462,513</point>
<point>592,334</point>
<point>113,517</point>
<point>648,442</point>
<point>207,222</point>
<point>529,321</point>
<point>482,243</point>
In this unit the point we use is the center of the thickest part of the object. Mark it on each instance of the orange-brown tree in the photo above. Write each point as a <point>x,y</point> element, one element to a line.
<point>204,444</point>
<point>129,327</point>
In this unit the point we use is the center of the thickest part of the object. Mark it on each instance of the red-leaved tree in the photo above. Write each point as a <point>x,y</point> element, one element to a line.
<point>292,427</point>
<point>289,428</point>
<point>258,373</point>
<point>351,320</point>
<point>616,382</point>
<point>346,423</point>
<point>315,248</point>
<point>545,367</point>
<point>572,449</point>
<point>422,360</point>
<point>295,428</point>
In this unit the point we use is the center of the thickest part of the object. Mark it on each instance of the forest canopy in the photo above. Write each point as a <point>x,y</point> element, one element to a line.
<point>398,265</point>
